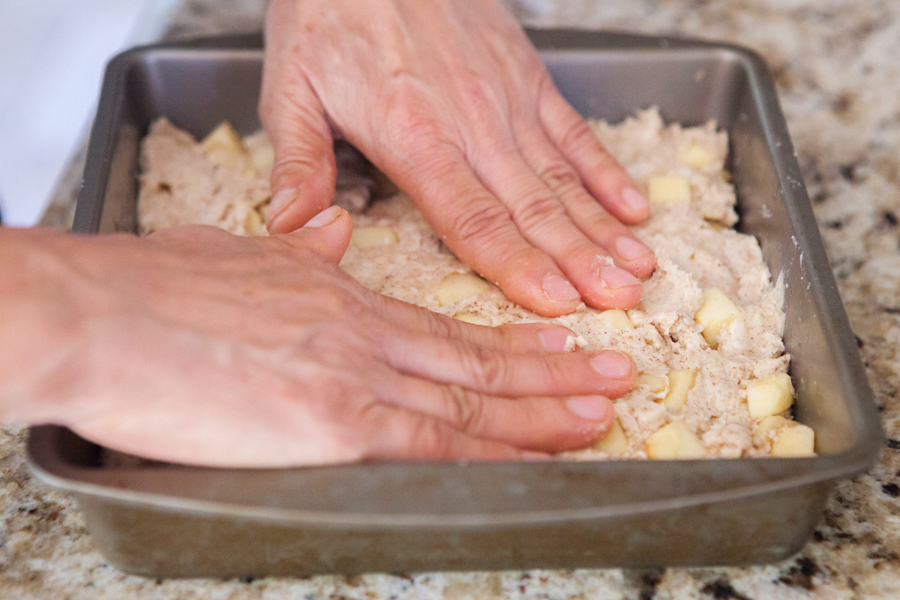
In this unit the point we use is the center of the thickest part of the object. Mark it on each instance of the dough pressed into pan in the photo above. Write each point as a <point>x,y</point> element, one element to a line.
<point>708,329</point>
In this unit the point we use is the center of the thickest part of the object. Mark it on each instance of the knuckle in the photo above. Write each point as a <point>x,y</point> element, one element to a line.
<point>514,337</point>
<point>476,92</point>
<point>479,99</point>
<point>321,344</point>
<point>578,134</point>
<point>466,408</point>
<point>488,369</point>
<point>605,227</point>
<point>440,326</point>
<point>537,211</point>
<point>560,176</point>
<point>304,159</point>
<point>480,220</point>
<point>412,119</point>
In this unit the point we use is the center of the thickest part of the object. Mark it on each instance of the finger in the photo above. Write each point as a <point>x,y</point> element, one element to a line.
<point>479,230</point>
<point>327,233</point>
<point>304,171</point>
<point>405,435</point>
<point>480,369</point>
<point>523,338</point>
<point>597,224</point>
<point>535,423</point>
<point>542,219</point>
<point>603,176</point>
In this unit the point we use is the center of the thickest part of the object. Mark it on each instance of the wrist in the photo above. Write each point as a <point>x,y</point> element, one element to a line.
<point>40,322</point>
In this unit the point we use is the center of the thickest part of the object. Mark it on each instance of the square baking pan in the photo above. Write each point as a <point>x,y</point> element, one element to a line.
<point>165,520</point>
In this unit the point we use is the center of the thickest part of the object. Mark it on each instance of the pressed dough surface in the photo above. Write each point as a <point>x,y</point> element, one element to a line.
<point>695,247</point>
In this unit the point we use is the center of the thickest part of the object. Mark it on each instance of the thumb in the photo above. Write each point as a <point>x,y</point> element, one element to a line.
<point>304,172</point>
<point>328,233</point>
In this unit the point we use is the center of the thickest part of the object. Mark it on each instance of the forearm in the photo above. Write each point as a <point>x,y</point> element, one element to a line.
<point>39,324</point>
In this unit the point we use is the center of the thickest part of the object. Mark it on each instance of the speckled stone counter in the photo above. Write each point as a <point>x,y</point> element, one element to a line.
<point>839,80</point>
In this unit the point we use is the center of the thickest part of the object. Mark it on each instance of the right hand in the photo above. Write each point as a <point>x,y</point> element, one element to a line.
<point>194,345</point>
<point>451,101</point>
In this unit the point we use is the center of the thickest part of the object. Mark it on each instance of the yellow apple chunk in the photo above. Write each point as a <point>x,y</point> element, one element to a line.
<point>794,441</point>
<point>615,443</point>
<point>674,441</point>
<point>224,141</point>
<point>697,156</point>
<point>771,424</point>
<point>769,395</point>
<point>253,223</point>
<point>654,383</point>
<point>669,189</point>
<point>680,383</point>
<point>616,319</point>
<point>262,157</point>
<point>373,237</point>
<point>467,317</point>
<point>716,312</point>
<point>459,286</point>
<point>716,225</point>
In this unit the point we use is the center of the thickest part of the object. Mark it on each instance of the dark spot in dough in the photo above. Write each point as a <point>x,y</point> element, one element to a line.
<point>848,172</point>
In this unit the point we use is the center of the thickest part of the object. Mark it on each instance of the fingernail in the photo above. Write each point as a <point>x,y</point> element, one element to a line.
<point>612,364</point>
<point>554,340</point>
<point>558,289</point>
<point>280,201</point>
<point>592,408</point>
<point>536,456</point>
<point>629,248</point>
<point>635,200</point>
<point>616,278</point>
<point>326,217</point>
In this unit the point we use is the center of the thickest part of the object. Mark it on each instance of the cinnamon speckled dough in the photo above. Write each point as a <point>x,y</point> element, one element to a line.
<point>694,247</point>
<point>181,184</point>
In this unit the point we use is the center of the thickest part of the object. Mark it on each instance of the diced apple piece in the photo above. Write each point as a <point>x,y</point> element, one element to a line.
<point>697,156</point>
<point>223,141</point>
<point>716,312</point>
<point>773,423</point>
<point>615,442</point>
<point>616,318</point>
<point>263,209</point>
<point>669,189</point>
<point>374,236</point>
<point>654,383</point>
<point>468,317</point>
<point>674,441</point>
<point>459,286</point>
<point>262,157</point>
<point>680,383</point>
<point>769,395</point>
<point>253,223</point>
<point>716,225</point>
<point>794,441</point>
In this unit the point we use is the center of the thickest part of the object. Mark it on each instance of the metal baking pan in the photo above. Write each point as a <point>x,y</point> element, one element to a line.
<point>167,520</point>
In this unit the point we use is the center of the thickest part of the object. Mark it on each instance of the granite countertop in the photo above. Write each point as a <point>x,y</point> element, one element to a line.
<point>839,81</point>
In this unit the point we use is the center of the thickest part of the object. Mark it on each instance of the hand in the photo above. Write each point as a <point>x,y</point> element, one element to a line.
<point>195,345</point>
<point>451,101</point>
